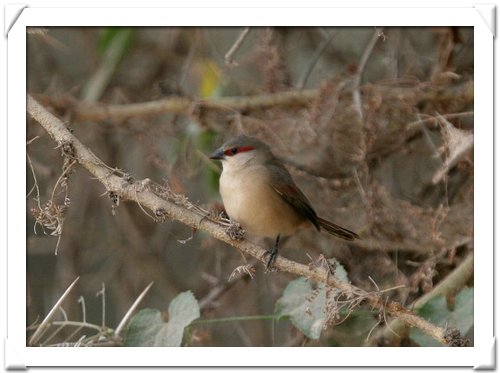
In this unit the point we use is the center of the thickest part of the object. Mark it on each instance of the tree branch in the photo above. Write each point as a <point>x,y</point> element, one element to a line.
<point>176,207</point>
<point>302,98</point>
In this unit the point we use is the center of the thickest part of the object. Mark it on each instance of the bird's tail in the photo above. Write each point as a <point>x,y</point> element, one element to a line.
<point>337,230</point>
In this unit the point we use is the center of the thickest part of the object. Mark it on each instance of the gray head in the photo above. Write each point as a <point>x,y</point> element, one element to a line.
<point>241,150</point>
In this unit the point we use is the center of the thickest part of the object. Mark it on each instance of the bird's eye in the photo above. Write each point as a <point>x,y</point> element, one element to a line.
<point>231,151</point>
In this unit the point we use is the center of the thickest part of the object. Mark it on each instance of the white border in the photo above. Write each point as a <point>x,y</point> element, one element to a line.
<point>483,239</point>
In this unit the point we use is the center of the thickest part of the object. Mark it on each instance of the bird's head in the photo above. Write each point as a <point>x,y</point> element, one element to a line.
<point>242,151</point>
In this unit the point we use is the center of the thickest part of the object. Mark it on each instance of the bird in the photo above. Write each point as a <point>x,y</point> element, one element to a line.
<point>259,193</point>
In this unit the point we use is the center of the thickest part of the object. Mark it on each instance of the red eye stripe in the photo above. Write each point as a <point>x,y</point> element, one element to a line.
<point>236,150</point>
<point>242,149</point>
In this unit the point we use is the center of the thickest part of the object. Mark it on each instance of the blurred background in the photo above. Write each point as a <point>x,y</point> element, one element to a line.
<point>375,139</point>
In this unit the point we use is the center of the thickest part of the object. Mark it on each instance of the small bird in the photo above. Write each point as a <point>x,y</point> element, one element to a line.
<point>259,193</point>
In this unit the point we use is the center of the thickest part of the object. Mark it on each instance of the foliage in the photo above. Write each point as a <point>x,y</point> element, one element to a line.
<point>461,316</point>
<point>147,329</point>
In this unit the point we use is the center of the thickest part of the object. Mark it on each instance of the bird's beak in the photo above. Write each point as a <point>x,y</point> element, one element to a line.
<point>218,154</point>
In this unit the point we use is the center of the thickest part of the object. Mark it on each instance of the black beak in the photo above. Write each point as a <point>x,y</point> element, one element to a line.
<point>218,154</point>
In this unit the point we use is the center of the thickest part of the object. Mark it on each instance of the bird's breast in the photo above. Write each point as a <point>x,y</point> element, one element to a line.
<point>250,200</point>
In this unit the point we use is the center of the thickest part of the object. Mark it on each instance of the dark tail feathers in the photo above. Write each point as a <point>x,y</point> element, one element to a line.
<point>337,230</point>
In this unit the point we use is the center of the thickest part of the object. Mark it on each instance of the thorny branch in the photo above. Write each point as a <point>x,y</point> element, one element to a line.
<point>177,207</point>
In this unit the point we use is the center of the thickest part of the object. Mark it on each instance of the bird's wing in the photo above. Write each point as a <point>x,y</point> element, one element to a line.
<point>337,230</point>
<point>283,184</point>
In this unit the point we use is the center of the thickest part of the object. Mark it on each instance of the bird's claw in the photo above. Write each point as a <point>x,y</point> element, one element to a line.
<point>273,254</point>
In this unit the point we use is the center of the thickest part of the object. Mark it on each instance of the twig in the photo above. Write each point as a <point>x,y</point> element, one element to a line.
<point>217,291</point>
<point>196,219</point>
<point>387,323</point>
<point>43,35</point>
<point>35,185</point>
<point>314,59</point>
<point>29,142</point>
<point>63,175</point>
<point>131,310</point>
<point>84,319</point>
<point>416,125</point>
<point>356,95</point>
<point>102,293</point>
<point>362,192</point>
<point>78,324</point>
<point>44,325</point>
<point>49,338</point>
<point>374,283</point>
<point>228,58</point>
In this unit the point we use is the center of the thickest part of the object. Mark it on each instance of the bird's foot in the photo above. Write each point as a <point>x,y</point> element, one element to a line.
<point>273,254</point>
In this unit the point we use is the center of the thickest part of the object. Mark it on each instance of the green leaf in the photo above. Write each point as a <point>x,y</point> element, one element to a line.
<point>110,34</point>
<point>340,271</point>
<point>147,328</point>
<point>182,311</point>
<point>184,308</point>
<point>306,311</point>
<point>307,307</point>
<point>436,311</point>
<point>143,328</point>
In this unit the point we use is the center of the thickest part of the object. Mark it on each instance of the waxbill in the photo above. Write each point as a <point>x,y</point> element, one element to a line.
<point>259,193</point>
